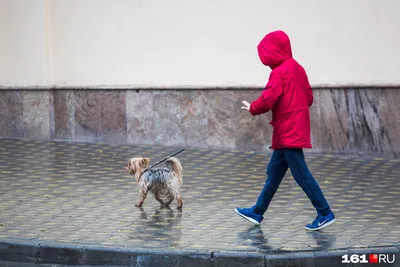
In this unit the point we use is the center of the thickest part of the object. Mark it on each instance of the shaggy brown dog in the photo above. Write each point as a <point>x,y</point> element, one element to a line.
<point>164,183</point>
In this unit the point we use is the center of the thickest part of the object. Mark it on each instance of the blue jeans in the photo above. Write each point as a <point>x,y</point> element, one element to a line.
<point>292,158</point>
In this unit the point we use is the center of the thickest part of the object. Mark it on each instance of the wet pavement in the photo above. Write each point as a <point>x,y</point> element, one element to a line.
<point>80,193</point>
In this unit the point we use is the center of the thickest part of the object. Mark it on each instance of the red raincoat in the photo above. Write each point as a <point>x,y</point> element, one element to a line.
<point>288,94</point>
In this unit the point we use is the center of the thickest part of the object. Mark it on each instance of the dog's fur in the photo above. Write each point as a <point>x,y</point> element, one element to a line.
<point>164,183</point>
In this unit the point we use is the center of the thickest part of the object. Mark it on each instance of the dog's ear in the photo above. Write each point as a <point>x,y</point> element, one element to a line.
<point>145,162</point>
<point>129,164</point>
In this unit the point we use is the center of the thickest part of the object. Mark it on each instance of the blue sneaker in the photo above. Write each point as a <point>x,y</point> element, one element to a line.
<point>321,222</point>
<point>250,215</point>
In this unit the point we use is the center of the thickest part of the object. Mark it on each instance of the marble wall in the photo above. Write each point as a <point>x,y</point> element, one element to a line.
<point>356,120</point>
<point>28,114</point>
<point>343,120</point>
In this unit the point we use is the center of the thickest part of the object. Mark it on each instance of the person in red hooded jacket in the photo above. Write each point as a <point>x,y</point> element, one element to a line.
<point>289,96</point>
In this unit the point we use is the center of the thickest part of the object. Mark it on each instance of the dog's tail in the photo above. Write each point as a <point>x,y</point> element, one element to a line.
<point>175,165</point>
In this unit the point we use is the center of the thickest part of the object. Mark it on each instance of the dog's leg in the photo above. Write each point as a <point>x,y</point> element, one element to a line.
<point>171,198</point>
<point>179,200</point>
<point>157,196</point>
<point>142,196</point>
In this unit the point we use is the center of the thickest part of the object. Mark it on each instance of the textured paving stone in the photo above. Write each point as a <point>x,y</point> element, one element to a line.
<point>80,193</point>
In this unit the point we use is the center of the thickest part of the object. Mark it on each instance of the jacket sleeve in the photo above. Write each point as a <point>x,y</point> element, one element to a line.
<point>269,96</point>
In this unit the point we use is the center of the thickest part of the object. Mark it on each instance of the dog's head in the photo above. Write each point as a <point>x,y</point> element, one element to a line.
<point>137,165</point>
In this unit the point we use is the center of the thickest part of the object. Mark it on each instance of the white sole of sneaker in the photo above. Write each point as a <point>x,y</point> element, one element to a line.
<point>247,218</point>
<point>322,226</point>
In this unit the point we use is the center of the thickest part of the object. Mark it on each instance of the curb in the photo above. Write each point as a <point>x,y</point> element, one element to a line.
<point>25,251</point>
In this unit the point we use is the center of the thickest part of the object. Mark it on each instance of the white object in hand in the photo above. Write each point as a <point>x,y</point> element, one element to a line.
<point>247,105</point>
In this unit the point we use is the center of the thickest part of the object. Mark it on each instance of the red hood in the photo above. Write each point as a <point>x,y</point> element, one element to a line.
<point>274,48</point>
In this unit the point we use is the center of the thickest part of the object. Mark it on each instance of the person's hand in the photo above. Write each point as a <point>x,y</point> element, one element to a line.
<point>246,105</point>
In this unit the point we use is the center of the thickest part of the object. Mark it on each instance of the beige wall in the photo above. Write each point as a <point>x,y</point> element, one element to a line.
<point>193,43</point>
<point>24,53</point>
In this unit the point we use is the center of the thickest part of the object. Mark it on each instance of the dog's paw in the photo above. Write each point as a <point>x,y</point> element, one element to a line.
<point>138,205</point>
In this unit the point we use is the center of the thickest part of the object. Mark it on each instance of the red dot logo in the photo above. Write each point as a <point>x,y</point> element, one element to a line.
<point>373,258</point>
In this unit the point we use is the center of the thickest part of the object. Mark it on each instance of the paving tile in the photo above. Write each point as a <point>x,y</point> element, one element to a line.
<point>80,193</point>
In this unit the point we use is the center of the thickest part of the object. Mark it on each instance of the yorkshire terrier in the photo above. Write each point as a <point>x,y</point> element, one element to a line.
<point>164,183</point>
